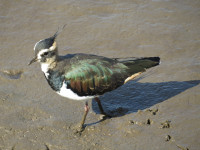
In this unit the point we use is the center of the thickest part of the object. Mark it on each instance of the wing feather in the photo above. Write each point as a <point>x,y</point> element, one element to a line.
<point>94,76</point>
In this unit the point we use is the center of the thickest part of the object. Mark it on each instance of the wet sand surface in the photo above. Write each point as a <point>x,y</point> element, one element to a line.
<point>158,110</point>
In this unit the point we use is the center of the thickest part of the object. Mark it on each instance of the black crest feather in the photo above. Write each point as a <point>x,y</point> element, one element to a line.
<point>47,43</point>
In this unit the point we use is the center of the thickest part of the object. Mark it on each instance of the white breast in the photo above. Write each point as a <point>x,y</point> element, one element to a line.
<point>71,95</point>
<point>45,68</point>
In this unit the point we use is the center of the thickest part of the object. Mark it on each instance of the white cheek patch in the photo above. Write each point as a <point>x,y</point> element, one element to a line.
<point>41,52</point>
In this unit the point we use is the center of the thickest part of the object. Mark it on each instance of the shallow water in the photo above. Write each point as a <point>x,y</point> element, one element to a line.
<point>34,117</point>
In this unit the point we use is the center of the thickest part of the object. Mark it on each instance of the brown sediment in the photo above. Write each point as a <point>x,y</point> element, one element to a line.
<point>34,117</point>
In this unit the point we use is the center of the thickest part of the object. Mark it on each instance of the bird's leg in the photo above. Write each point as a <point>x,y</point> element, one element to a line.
<point>100,107</point>
<point>86,110</point>
<point>99,104</point>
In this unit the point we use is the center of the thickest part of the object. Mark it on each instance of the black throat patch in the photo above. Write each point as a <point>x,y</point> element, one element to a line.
<point>55,80</point>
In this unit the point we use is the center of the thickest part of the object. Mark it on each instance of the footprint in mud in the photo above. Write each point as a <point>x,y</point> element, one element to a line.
<point>141,123</point>
<point>149,122</point>
<point>166,124</point>
<point>168,138</point>
<point>152,111</point>
<point>11,74</point>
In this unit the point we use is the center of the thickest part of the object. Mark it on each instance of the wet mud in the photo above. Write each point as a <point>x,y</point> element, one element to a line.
<point>158,110</point>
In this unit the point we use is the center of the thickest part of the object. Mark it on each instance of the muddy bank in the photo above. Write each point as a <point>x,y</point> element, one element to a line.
<point>159,110</point>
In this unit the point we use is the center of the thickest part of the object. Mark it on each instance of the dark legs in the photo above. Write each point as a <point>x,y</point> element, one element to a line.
<point>100,107</point>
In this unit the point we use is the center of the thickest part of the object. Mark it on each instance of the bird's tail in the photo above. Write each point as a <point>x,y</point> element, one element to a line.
<point>139,64</point>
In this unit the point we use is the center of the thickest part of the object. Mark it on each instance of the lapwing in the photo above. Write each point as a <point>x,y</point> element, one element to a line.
<point>86,76</point>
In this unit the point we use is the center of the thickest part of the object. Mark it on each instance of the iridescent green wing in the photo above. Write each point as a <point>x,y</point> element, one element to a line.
<point>95,76</point>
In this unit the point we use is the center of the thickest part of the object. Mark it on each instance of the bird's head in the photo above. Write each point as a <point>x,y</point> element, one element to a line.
<point>46,50</point>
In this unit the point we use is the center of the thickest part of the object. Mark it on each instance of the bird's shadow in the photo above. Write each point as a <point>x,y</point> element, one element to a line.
<point>135,96</point>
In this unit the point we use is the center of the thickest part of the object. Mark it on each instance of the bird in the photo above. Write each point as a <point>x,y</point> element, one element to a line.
<point>86,76</point>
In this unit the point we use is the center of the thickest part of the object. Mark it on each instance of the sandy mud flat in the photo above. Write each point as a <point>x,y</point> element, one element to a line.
<point>158,110</point>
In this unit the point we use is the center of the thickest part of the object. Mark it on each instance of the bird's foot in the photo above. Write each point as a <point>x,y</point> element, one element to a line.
<point>78,129</point>
<point>81,126</point>
<point>105,116</point>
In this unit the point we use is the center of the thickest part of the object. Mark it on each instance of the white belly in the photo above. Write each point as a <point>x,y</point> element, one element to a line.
<point>68,93</point>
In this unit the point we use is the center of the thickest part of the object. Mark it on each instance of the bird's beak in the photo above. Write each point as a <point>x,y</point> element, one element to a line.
<point>32,61</point>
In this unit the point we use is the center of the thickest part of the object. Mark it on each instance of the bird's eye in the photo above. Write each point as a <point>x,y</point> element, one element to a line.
<point>45,54</point>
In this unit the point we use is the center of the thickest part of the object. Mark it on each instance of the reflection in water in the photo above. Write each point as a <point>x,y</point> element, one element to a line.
<point>135,95</point>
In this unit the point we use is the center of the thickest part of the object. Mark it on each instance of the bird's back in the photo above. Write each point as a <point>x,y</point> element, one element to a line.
<point>88,75</point>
